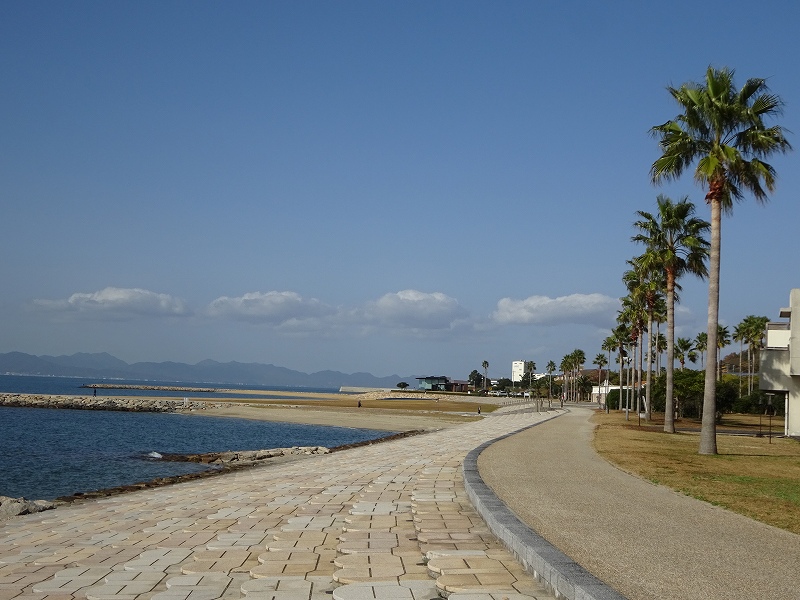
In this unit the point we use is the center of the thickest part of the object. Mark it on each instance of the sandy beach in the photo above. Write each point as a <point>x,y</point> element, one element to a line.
<point>382,410</point>
<point>345,412</point>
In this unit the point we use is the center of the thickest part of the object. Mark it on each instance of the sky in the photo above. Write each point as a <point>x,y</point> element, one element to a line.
<point>401,188</point>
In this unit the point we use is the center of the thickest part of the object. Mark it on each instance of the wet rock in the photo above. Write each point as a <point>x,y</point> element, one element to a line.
<point>12,507</point>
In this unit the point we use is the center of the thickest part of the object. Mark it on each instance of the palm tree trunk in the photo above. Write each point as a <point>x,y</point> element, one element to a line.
<point>669,407</point>
<point>741,350</point>
<point>639,369</point>
<point>648,412</point>
<point>708,430</point>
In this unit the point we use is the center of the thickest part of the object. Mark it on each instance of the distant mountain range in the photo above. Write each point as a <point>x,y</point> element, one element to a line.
<point>104,366</point>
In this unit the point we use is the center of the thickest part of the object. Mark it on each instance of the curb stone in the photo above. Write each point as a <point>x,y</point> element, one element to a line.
<point>563,576</point>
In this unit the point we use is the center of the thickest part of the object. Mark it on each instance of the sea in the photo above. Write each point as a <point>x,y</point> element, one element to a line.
<point>48,453</point>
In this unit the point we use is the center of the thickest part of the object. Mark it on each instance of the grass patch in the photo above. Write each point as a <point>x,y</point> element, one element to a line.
<point>750,476</point>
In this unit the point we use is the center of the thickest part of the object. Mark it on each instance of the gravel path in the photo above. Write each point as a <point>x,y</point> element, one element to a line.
<point>644,540</point>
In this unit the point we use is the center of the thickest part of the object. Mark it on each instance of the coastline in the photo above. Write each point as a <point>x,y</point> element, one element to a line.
<point>400,413</point>
<point>308,408</point>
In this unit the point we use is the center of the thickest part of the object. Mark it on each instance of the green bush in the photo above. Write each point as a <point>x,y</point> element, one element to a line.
<point>612,399</point>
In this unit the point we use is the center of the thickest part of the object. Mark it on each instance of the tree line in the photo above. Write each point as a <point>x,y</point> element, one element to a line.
<point>722,136</point>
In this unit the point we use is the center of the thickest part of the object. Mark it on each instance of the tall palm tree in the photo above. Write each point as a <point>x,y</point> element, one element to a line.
<point>647,280</point>
<point>633,309</point>
<point>723,341</point>
<point>674,240</point>
<point>578,359</point>
<point>740,335</point>
<point>660,316</point>
<point>754,336</point>
<point>601,361</point>
<point>566,367</point>
<point>723,131</point>
<point>551,367</point>
<point>701,345</point>
<point>485,365</point>
<point>619,337</point>
<point>683,349</point>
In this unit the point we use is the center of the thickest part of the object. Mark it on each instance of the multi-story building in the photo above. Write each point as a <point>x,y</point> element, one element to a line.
<point>780,363</point>
<point>517,370</point>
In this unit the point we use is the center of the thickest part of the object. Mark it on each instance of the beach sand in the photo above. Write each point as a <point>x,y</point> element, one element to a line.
<point>350,415</point>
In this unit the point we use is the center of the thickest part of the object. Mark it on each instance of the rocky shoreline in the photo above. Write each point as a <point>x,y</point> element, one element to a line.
<point>221,462</point>
<point>117,403</point>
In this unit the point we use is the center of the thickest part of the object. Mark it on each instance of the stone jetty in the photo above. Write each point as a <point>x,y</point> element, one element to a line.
<point>139,386</point>
<point>106,403</point>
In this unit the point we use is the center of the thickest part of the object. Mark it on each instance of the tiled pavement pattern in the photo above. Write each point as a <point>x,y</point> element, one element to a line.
<point>389,521</point>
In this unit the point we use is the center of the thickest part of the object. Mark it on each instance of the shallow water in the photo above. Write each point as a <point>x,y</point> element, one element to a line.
<point>47,453</point>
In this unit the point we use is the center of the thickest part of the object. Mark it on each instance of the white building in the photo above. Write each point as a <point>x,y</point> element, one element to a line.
<point>780,363</point>
<point>517,370</point>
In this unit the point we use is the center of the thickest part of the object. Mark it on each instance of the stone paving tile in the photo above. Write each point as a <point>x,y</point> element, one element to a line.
<point>71,580</point>
<point>197,587</point>
<point>489,596</point>
<point>288,588</point>
<point>125,584</point>
<point>157,560</point>
<point>256,534</point>
<point>387,590</point>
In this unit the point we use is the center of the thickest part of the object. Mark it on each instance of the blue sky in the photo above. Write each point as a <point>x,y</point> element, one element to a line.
<point>401,188</point>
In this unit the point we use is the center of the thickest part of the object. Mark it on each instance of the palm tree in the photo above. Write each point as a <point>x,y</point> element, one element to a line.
<point>723,131</point>
<point>485,365</point>
<point>754,336</point>
<point>551,367</point>
<point>647,279</point>
<point>740,335</point>
<point>660,316</point>
<point>565,367</point>
<point>723,341</point>
<point>601,361</point>
<point>619,337</point>
<point>633,311</point>
<point>578,358</point>
<point>701,345</point>
<point>683,346</point>
<point>583,386</point>
<point>674,240</point>
<point>661,348</point>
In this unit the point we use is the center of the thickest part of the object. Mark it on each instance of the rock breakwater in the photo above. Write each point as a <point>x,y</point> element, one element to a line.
<point>138,386</point>
<point>12,507</point>
<point>107,403</point>
<point>243,457</point>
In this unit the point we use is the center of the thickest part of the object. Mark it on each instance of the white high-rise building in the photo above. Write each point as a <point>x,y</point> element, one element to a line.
<point>517,370</point>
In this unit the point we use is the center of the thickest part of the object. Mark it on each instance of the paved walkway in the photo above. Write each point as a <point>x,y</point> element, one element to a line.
<point>644,540</point>
<point>385,521</point>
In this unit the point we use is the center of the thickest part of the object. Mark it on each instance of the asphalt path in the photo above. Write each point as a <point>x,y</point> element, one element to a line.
<point>644,540</point>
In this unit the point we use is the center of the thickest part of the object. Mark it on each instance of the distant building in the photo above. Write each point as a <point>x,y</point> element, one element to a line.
<point>440,383</point>
<point>600,392</point>
<point>517,370</point>
<point>779,369</point>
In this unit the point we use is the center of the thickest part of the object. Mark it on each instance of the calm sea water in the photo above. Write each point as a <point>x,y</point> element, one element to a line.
<point>71,386</point>
<point>46,453</point>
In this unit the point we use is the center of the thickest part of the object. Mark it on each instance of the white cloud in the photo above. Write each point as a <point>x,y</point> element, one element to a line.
<point>595,309</point>
<point>274,308</point>
<point>412,309</point>
<point>117,303</point>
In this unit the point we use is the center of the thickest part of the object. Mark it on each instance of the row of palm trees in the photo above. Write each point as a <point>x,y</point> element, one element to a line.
<point>722,132</point>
